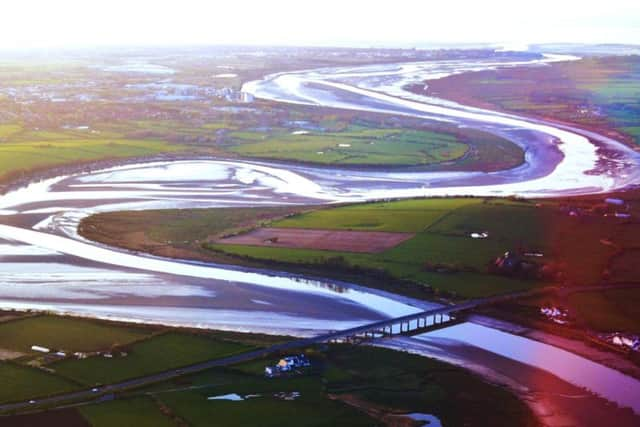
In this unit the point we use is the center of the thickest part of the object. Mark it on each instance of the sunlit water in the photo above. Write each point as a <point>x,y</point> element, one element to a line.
<point>46,265</point>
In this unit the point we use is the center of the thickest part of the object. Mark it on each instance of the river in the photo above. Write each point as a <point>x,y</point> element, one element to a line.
<point>47,266</point>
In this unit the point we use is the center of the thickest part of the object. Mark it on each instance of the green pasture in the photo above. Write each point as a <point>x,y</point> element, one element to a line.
<point>156,354</point>
<point>69,334</point>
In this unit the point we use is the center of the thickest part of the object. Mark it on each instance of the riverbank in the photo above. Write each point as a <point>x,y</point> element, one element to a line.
<point>586,93</point>
<point>552,400</point>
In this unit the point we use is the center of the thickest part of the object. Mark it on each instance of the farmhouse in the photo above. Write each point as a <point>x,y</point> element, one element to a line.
<point>288,364</point>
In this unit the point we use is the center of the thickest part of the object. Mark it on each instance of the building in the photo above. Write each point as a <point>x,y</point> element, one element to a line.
<point>246,97</point>
<point>40,349</point>
<point>288,364</point>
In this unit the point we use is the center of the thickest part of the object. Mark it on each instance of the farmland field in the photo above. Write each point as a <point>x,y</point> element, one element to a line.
<point>408,216</point>
<point>156,354</point>
<point>442,228</point>
<point>65,333</point>
<point>355,145</point>
<point>612,310</point>
<point>21,382</point>
<point>136,412</point>
<point>308,238</point>
<point>22,151</point>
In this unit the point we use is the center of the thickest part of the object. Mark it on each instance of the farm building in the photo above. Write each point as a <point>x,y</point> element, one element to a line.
<point>288,364</point>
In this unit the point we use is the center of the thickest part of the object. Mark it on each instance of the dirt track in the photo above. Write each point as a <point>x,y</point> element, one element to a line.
<point>329,240</point>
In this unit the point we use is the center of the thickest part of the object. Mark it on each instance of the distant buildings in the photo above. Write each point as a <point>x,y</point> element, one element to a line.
<point>555,314</point>
<point>246,97</point>
<point>621,341</point>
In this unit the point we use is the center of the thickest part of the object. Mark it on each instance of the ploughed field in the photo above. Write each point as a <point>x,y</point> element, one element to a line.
<point>345,384</point>
<point>328,240</point>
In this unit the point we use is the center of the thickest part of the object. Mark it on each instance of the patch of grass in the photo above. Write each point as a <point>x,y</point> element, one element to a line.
<point>633,131</point>
<point>401,216</point>
<point>509,224</point>
<point>311,409</point>
<point>614,310</point>
<point>65,333</point>
<point>156,354</point>
<point>21,383</point>
<point>8,130</point>
<point>54,149</point>
<point>137,412</point>
<point>356,145</point>
<point>176,226</point>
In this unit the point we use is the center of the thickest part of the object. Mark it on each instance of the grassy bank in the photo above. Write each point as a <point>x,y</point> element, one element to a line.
<point>442,228</point>
<point>598,92</point>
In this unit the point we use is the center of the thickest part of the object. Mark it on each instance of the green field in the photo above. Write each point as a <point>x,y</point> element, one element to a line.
<point>21,382</point>
<point>136,412</point>
<point>614,310</point>
<point>170,350</point>
<point>356,145</point>
<point>65,333</point>
<point>312,408</point>
<point>23,150</point>
<point>402,216</point>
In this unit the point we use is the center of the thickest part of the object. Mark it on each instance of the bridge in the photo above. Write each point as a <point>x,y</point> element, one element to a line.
<point>423,321</point>
<point>411,324</point>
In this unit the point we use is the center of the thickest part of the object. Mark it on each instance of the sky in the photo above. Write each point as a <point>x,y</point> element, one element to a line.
<point>406,23</point>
